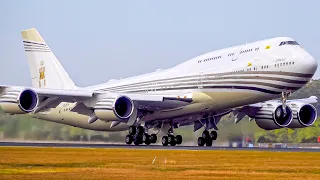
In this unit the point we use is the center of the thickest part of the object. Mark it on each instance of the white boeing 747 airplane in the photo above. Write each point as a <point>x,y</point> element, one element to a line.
<point>242,80</point>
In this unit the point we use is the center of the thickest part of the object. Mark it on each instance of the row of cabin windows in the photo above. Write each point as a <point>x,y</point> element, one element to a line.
<point>209,59</point>
<point>231,54</point>
<point>249,69</point>
<point>265,67</point>
<point>245,51</point>
<point>243,70</point>
<point>284,64</point>
<point>252,69</point>
<point>249,50</point>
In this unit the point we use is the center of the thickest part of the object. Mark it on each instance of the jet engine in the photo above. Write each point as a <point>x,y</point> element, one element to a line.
<point>114,108</point>
<point>19,101</point>
<point>304,115</point>
<point>272,116</point>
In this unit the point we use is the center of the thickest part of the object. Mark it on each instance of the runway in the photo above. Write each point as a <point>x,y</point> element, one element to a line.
<point>155,147</point>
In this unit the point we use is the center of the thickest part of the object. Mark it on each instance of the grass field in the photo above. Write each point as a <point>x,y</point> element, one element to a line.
<point>72,163</point>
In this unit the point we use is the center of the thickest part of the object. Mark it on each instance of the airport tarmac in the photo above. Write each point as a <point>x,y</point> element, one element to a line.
<point>156,147</point>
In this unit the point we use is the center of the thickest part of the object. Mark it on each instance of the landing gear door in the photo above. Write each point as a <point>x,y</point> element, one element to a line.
<point>236,54</point>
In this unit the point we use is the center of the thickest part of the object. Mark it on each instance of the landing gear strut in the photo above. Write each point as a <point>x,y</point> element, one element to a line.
<point>138,135</point>
<point>284,98</point>
<point>207,138</point>
<point>170,139</point>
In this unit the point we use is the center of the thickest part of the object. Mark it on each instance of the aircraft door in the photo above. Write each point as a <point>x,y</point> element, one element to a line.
<point>154,88</point>
<point>236,54</point>
<point>199,81</point>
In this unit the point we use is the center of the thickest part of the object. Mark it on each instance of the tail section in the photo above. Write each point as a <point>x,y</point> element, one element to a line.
<point>45,69</point>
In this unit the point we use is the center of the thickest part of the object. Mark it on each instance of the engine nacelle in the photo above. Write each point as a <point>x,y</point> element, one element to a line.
<point>272,116</point>
<point>304,115</point>
<point>19,101</point>
<point>114,108</point>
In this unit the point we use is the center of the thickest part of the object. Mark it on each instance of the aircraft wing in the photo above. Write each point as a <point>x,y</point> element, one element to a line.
<point>86,99</point>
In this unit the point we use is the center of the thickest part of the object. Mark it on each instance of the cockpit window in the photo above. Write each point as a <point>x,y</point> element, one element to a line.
<point>288,43</point>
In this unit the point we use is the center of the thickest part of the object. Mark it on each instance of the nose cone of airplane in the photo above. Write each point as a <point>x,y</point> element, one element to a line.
<point>310,65</point>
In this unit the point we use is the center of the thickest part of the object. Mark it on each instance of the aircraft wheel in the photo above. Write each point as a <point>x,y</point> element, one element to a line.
<point>129,139</point>
<point>153,138</point>
<point>146,138</point>
<point>205,134</point>
<point>165,141</point>
<point>201,141</point>
<point>178,139</point>
<point>132,130</point>
<point>140,130</point>
<point>138,140</point>
<point>170,138</point>
<point>209,142</point>
<point>214,135</point>
<point>173,143</point>
<point>148,142</point>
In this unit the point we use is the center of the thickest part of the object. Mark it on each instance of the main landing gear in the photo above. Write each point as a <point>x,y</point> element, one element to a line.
<point>170,139</point>
<point>138,135</point>
<point>207,138</point>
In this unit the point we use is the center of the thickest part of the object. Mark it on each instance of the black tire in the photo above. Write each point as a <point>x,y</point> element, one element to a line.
<point>132,130</point>
<point>153,138</point>
<point>138,140</point>
<point>178,139</point>
<point>201,141</point>
<point>148,142</point>
<point>214,135</point>
<point>146,138</point>
<point>209,142</point>
<point>205,134</point>
<point>129,139</point>
<point>140,130</point>
<point>165,141</point>
<point>173,143</point>
<point>170,138</point>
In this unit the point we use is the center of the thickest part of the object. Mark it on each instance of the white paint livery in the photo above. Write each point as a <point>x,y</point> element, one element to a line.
<point>197,92</point>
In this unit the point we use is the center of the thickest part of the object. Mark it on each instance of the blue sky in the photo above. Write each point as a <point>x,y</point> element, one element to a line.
<point>100,40</point>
